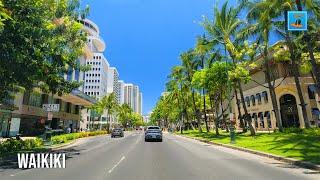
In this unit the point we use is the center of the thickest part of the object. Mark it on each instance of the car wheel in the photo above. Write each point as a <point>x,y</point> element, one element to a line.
<point>145,140</point>
<point>160,140</point>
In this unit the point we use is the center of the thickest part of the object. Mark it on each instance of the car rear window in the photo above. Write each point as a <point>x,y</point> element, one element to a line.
<point>153,128</point>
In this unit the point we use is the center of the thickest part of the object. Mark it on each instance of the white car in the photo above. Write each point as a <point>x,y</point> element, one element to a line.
<point>153,133</point>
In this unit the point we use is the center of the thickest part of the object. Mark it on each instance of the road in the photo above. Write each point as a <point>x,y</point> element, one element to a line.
<point>176,158</point>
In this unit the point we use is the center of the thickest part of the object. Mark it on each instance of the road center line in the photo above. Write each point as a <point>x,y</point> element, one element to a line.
<point>110,171</point>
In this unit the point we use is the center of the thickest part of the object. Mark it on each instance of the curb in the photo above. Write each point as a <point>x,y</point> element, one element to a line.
<point>66,145</point>
<point>303,164</point>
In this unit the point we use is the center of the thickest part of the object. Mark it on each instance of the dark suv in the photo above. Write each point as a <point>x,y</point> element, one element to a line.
<point>117,132</point>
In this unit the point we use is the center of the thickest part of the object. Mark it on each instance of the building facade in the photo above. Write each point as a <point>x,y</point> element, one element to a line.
<point>113,83</point>
<point>28,118</point>
<point>133,97</point>
<point>259,105</point>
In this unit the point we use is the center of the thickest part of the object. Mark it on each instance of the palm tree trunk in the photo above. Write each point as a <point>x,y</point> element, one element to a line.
<point>273,95</point>
<point>214,118</point>
<point>247,117</point>
<point>222,111</point>
<point>217,120</point>
<point>204,109</point>
<point>315,66</point>
<point>296,75</point>
<point>242,124</point>
<point>196,111</point>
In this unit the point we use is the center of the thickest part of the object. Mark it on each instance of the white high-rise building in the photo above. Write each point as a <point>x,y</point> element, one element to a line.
<point>128,95</point>
<point>95,83</point>
<point>121,90</point>
<point>140,103</point>
<point>113,83</point>
<point>95,80</point>
<point>133,97</point>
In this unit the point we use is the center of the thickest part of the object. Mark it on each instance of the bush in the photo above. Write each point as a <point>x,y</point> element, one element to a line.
<point>72,136</point>
<point>13,145</point>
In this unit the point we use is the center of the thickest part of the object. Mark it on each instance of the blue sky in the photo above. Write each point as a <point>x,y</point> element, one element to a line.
<point>145,37</point>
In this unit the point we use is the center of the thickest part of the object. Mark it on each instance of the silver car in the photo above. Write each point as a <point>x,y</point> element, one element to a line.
<point>153,133</point>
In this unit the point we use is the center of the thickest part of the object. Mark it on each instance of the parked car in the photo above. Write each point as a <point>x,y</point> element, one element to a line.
<point>153,133</point>
<point>117,132</point>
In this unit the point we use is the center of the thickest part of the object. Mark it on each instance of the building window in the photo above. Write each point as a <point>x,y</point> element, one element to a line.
<point>261,119</point>
<point>248,101</point>
<point>267,115</point>
<point>258,96</point>
<point>253,100</point>
<point>311,91</point>
<point>265,96</point>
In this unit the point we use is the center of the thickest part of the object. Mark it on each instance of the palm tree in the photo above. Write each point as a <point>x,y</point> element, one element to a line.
<point>224,30</point>
<point>203,47</point>
<point>124,113</point>
<point>283,6</point>
<point>177,85</point>
<point>190,66</point>
<point>111,105</point>
<point>312,35</point>
<point>262,17</point>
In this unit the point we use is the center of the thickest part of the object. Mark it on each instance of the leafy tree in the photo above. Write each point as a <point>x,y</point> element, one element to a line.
<point>190,65</point>
<point>109,104</point>
<point>4,15</point>
<point>40,42</point>
<point>124,114</point>
<point>225,30</point>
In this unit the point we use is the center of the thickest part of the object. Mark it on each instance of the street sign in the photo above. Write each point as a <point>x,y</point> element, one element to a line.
<point>51,107</point>
<point>297,20</point>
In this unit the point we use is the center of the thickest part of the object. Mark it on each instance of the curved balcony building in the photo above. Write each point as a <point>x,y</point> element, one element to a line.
<point>95,42</point>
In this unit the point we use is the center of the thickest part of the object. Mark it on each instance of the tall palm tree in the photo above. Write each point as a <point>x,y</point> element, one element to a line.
<point>110,104</point>
<point>262,17</point>
<point>190,66</point>
<point>178,86</point>
<point>283,6</point>
<point>203,48</point>
<point>312,35</point>
<point>224,30</point>
<point>124,112</point>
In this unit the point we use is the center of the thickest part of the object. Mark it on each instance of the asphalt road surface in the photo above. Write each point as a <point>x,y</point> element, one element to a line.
<point>176,158</point>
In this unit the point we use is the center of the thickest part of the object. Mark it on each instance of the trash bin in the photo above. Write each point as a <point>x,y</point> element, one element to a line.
<point>48,135</point>
<point>232,135</point>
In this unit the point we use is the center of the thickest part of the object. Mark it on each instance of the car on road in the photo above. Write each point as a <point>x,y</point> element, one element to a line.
<point>117,132</point>
<point>153,133</point>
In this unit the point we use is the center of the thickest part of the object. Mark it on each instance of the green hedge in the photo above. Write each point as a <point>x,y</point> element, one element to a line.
<point>12,145</point>
<point>68,137</point>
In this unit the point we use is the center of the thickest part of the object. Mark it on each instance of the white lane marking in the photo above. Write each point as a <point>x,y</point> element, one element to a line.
<point>110,171</point>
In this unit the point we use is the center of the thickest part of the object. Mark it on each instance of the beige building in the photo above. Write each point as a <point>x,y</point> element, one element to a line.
<point>259,105</point>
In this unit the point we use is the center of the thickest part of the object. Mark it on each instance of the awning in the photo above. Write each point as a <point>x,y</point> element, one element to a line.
<point>316,111</point>
<point>78,98</point>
